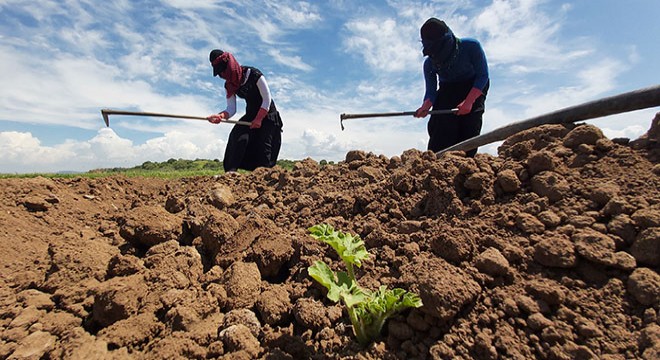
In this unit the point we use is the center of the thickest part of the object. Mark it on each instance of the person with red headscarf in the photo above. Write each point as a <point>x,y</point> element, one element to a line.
<point>456,77</point>
<point>257,145</point>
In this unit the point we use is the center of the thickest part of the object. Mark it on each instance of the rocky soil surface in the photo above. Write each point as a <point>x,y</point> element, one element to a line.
<point>550,250</point>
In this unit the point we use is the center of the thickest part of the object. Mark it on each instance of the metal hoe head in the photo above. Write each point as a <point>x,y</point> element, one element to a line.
<point>105,117</point>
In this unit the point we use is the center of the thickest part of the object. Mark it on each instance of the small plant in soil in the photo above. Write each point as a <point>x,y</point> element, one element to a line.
<point>368,310</point>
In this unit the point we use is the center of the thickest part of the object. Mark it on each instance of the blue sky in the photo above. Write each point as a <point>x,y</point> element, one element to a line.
<point>63,61</point>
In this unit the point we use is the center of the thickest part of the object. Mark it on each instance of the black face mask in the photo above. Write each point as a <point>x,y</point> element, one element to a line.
<point>441,50</point>
<point>218,69</point>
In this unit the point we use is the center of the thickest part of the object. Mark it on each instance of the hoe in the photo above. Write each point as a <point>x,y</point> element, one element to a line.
<point>343,117</point>
<point>108,112</point>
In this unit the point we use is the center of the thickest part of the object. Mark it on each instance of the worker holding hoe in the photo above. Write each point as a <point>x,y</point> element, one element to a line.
<point>456,76</point>
<point>256,145</point>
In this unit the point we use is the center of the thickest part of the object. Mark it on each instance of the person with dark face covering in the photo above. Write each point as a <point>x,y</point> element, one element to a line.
<point>456,76</point>
<point>257,145</point>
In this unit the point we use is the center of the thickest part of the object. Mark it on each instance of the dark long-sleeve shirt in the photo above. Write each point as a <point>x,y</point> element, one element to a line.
<point>469,64</point>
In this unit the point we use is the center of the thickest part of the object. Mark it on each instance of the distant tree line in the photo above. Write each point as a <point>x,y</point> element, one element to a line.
<point>197,165</point>
<point>172,168</point>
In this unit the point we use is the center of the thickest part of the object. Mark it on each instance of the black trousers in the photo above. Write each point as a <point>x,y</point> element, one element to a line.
<point>446,130</point>
<point>249,149</point>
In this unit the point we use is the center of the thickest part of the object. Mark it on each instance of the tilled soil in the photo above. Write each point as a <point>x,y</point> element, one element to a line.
<point>550,250</point>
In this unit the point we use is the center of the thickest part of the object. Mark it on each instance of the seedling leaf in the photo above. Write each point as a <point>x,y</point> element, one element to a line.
<point>367,310</point>
<point>337,284</point>
<point>349,247</point>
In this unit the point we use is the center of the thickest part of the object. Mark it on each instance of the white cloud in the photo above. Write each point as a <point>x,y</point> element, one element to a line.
<point>22,152</point>
<point>382,43</point>
<point>267,31</point>
<point>295,62</point>
<point>320,145</point>
<point>299,15</point>
<point>518,33</point>
<point>630,125</point>
<point>630,132</point>
<point>106,146</point>
<point>71,91</point>
<point>588,84</point>
<point>86,41</point>
<point>192,4</point>
<point>600,76</point>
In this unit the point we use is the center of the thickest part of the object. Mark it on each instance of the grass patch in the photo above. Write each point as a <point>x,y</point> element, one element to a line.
<point>170,169</point>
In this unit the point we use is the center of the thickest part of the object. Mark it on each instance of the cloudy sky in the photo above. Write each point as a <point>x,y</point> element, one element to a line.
<point>63,61</point>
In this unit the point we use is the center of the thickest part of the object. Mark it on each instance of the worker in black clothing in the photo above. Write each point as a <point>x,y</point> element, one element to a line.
<point>456,76</point>
<point>257,145</point>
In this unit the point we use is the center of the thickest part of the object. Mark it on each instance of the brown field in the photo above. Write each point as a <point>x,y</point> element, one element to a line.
<point>550,250</point>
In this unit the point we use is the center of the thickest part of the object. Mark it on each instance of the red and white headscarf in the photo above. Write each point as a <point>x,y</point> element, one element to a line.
<point>233,73</point>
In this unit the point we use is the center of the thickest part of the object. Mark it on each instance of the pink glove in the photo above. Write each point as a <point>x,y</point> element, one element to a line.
<point>217,118</point>
<point>465,107</point>
<point>424,109</point>
<point>261,114</point>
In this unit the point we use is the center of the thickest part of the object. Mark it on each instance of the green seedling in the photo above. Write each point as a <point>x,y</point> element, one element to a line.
<point>368,310</point>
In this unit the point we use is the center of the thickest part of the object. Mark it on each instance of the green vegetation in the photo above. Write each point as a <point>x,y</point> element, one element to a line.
<point>368,310</point>
<point>172,168</point>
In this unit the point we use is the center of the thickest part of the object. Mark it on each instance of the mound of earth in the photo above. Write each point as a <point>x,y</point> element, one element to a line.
<point>550,250</point>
